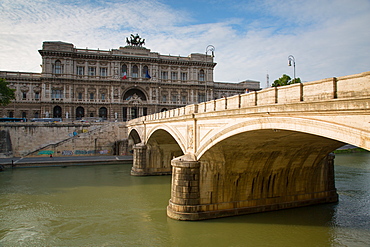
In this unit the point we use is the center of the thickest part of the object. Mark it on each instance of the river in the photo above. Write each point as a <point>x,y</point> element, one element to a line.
<point>105,206</point>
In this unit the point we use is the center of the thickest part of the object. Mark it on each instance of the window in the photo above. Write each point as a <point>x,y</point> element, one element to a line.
<point>174,76</point>
<point>37,95</point>
<point>58,67</point>
<point>24,115</point>
<point>201,98</point>
<point>103,71</point>
<point>24,95</point>
<point>92,71</point>
<point>184,76</point>
<point>124,71</point>
<point>103,96</point>
<point>56,94</point>
<point>201,75</point>
<point>174,98</point>
<point>146,72</point>
<point>91,95</point>
<point>164,75</point>
<point>79,95</point>
<point>183,99</point>
<point>135,71</point>
<point>80,70</point>
<point>164,98</point>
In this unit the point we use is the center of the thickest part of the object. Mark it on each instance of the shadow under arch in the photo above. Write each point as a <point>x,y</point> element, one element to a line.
<point>265,170</point>
<point>329,130</point>
<point>170,134</point>
<point>133,138</point>
<point>153,156</point>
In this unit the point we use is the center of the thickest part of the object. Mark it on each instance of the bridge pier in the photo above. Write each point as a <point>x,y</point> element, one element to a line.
<point>150,160</point>
<point>139,160</point>
<point>192,199</point>
<point>185,193</point>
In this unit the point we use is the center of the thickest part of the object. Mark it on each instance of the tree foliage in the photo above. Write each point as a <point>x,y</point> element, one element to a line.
<point>285,80</point>
<point>6,93</point>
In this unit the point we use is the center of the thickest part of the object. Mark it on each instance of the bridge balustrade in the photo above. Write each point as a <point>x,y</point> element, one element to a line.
<point>220,104</point>
<point>321,90</point>
<point>266,97</point>
<point>232,102</point>
<point>289,94</point>
<point>248,100</point>
<point>210,106</point>
<point>358,85</point>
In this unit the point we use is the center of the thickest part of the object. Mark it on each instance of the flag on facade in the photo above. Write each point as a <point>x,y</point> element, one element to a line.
<point>124,76</point>
<point>147,74</point>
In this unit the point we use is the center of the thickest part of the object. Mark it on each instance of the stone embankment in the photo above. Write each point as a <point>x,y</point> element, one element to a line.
<point>62,139</point>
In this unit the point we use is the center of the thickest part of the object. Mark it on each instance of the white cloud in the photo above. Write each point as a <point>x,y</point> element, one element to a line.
<point>327,38</point>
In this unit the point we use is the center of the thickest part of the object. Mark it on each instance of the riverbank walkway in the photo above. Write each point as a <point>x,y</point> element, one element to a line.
<point>19,162</point>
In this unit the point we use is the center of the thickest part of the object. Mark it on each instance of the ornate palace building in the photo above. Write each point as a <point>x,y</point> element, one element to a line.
<point>118,84</point>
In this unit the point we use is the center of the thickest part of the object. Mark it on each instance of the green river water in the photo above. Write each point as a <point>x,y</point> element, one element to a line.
<point>105,206</point>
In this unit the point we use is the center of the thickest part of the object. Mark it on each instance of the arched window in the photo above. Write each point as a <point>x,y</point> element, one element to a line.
<point>135,71</point>
<point>132,93</point>
<point>145,72</point>
<point>124,71</point>
<point>57,112</point>
<point>201,75</point>
<point>58,67</point>
<point>103,113</point>
<point>80,113</point>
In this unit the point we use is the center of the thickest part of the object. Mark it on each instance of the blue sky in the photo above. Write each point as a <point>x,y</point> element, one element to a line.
<point>252,38</point>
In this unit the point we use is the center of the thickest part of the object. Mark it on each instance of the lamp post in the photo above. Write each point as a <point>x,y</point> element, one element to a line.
<point>290,60</point>
<point>212,49</point>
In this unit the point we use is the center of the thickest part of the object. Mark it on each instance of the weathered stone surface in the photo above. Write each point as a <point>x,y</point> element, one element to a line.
<point>259,151</point>
<point>32,139</point>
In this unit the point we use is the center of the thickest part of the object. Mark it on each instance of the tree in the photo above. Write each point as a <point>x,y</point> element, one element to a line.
<point>285,80</point>
<point>6,93</point>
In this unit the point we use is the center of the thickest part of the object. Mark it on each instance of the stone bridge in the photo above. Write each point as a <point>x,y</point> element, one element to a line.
<point>255,152</point>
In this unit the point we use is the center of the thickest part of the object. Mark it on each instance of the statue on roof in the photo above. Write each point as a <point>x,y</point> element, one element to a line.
<point>135,40</point>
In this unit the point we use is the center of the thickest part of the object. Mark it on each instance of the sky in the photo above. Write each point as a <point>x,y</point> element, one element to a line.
<point>252,38</point>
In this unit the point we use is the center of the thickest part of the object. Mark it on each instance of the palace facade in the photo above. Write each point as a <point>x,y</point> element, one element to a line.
<point>116,85</point>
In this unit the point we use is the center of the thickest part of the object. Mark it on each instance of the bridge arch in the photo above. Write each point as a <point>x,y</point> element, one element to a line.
<point>175,135</point>
<point>153,155</point>
<point>330,130</point>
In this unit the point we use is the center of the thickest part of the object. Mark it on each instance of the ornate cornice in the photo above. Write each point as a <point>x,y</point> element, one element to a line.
<point>125,58</point>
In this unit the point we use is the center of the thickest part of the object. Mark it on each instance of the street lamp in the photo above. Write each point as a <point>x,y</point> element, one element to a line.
<point>212,49</point>
<point>290,60</point>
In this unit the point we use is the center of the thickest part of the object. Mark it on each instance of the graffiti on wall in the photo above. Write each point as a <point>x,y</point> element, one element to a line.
<point>47,152</point>
<point>84,152</point>
<point>74,152</point>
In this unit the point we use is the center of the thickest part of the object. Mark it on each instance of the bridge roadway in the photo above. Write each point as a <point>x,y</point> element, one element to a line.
<point>255,152</point>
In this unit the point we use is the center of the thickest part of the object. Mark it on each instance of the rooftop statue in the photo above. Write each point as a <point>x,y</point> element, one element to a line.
<point>135,40</point>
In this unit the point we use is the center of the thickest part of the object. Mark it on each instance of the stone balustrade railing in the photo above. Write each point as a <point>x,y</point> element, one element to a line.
<point>345,87</point>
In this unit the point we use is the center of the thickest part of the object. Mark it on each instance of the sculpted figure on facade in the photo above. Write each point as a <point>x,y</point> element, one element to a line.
<point>135,40</point>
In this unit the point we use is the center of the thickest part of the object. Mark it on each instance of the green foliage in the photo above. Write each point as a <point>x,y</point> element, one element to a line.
<point>6,94</point>
<point>285,80</point>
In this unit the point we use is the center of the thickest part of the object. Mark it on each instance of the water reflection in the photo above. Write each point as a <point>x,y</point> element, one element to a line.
<point>105,206</point>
